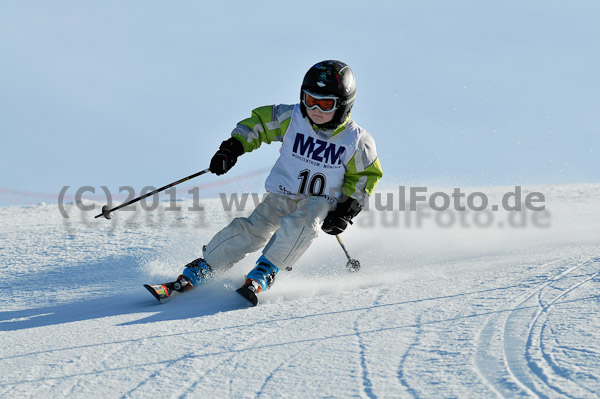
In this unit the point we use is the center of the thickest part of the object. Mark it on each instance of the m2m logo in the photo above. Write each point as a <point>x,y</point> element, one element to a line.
<point>318,150</point>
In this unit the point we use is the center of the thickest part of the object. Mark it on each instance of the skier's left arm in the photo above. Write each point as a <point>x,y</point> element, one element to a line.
<point>363,171</point>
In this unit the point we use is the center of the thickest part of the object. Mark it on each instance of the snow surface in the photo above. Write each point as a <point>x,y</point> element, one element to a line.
<point>435,312</point>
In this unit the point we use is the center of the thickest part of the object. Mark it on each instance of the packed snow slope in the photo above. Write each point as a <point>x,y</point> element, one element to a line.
<point>442,308</point>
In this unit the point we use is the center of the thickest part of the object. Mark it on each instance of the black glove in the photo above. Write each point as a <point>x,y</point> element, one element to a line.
<point>337,220</point>
<point>227,156</point>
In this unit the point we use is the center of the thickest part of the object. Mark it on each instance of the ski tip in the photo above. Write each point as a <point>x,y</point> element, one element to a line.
<point>152,291</point>
<point>160,298</point>
<point>250,296</point>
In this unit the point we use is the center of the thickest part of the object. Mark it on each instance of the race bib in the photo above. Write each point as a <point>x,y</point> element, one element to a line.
<point>309,165</point>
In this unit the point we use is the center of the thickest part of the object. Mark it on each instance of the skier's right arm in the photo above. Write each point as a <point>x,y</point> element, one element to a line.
<point>226,157</point>
<point>267,124</point>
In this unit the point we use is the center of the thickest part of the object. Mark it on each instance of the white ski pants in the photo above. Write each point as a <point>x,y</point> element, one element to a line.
<point>285,226</point>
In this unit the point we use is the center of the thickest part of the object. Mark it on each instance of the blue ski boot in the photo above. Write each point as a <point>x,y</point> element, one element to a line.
<point>195,274</point>
<point>263,275</point>
<point>259,279</point>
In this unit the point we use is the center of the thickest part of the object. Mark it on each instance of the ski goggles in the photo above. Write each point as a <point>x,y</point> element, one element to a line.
<point>326,104</point>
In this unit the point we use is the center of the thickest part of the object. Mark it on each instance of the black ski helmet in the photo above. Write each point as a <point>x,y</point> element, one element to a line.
<point>331,78</point>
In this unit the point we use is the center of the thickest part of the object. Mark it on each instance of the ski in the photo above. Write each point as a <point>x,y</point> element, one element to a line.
<point>248,294</point>
<point>162,292</point>
<point>166,291</point>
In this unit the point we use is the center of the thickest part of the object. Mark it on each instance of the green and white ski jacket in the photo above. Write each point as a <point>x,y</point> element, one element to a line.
<point>313,161</point>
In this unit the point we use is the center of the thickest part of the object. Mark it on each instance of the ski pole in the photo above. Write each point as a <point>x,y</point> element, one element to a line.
<point>353,265</point>
<point>106,212</point>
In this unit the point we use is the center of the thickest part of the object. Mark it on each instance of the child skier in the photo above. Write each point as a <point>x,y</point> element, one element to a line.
<point>326,170</point>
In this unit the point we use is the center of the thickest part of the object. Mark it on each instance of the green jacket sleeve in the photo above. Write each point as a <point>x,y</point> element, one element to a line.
<point>363,171</point>
<point>266,124</point>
